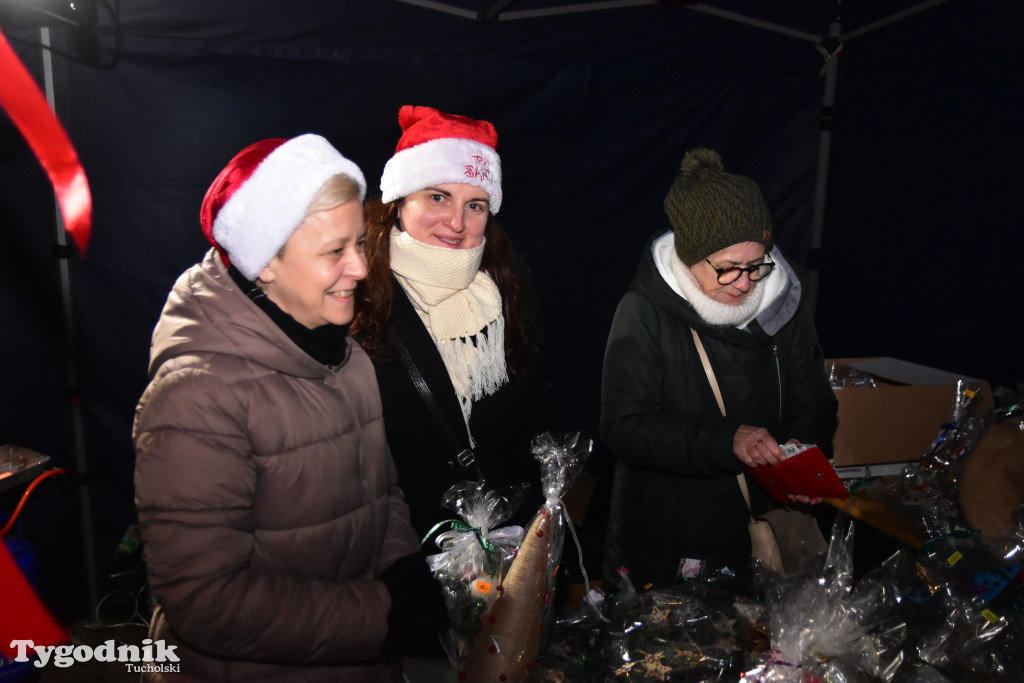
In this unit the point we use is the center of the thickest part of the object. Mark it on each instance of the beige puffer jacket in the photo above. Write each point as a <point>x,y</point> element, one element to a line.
<point>266,496</point>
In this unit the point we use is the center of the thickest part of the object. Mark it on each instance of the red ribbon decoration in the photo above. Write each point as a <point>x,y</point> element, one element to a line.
<point>27,107</point>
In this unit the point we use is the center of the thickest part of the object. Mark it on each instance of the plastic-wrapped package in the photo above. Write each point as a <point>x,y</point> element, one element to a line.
<point>475,555</point>
<point>510,634</point>
<point>692,631</point>
<point>943,460</point>
<point>919,672</point>
<point>830,629</point>
<point>927,490</point>
<point>991,493</point>
<point>572,651</point>
<point>840,376</point>
<point>958,629</point>
<point>948,571</point>
<point>915,618</point>
<point>1009,402</point>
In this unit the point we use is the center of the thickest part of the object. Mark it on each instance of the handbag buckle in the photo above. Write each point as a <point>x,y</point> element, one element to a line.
<point>465,457</point>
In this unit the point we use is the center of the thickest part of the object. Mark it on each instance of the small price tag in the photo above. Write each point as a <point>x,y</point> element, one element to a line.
<point>954,558</point>
<point>484,587</point>
<point>689,568</point>
<point>991,616</point>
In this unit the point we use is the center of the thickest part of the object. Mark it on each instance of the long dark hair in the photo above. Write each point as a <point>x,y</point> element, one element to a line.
<point>376,292</point>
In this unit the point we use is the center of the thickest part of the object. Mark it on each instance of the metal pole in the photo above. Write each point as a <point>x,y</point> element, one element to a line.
<point>71,364</point>
<point>830,47</point>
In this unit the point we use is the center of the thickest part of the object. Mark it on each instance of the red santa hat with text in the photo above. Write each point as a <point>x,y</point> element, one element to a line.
<point>438,148</point>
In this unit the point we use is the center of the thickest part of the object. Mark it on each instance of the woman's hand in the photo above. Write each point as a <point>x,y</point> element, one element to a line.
<point>756,446</point>
<point>802,499</point>
<point>805,499</point>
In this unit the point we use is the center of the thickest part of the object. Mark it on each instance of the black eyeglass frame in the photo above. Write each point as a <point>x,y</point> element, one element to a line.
<point>754,272</point>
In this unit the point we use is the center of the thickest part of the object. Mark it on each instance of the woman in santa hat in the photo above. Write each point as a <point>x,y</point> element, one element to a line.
<point>277,544</point>
<point>444,316</point>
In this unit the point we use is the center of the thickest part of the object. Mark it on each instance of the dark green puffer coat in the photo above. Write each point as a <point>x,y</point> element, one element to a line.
<point>675,492</point>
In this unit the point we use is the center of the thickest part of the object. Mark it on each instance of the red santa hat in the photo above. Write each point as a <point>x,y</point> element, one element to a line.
<point>260,198</point>
<point>437,148</point>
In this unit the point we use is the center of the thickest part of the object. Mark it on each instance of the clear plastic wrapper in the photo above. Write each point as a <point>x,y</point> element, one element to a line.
<point>920,672</point>
<point>692,631</point>
<point>916,494</point>
<point>957,579</point>
<point>831,629</point>
<point>572,651</point>
<point>475,554</point>
<point>915,618</point>
<point>15,459</point>
<point>1009,402</point>
<point>991,493</point>
<point>840,376</point>
<point>927,490</point>
<point>959,628</point>
<point>1009,548</point>
<point>943,459</point>
<point>509,640</point>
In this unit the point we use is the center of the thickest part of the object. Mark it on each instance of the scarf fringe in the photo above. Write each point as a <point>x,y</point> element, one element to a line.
<point>476,365</point>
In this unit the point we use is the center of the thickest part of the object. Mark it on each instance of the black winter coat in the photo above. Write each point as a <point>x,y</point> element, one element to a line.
<point>503,425</point>
<point>675,493</point>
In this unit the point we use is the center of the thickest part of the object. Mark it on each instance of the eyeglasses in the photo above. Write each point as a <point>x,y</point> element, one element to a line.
<point>727,276</point>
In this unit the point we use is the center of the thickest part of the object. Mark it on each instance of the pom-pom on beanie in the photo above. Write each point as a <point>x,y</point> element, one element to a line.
<point>260,198</point>
<point>710,209</point>
<point>437,148</point>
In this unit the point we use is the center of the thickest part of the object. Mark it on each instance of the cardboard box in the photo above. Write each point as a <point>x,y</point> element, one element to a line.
<point>895,422</point>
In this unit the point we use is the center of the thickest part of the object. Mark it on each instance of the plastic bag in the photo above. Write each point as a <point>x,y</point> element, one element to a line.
<point>830,629</point>
<point>508,643</point>
<point>690,631</point>
<point>475,554</point>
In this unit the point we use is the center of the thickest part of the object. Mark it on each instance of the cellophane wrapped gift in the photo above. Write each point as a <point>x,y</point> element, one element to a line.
<point>475,555</point>
<point>927,489</point>
<point>830,629</point>
<point>508,642</point>
<point>943,461</point>
<point>934,615</point>
<point>975,622</point>
<point>691,631</point>
<point>571,652</point>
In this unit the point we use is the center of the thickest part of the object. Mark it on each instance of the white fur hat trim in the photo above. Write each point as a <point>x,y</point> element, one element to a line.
<point>440,161</point>
<point>262,214</point>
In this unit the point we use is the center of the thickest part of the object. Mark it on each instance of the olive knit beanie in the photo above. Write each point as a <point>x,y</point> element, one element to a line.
<point>710,209</point>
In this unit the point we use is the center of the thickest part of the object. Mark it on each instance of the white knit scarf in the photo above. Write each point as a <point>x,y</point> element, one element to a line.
<point>460,305</point>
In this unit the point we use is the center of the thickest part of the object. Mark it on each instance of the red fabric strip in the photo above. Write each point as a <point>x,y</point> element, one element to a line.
<point>23,616</point>
<point>25,104</point>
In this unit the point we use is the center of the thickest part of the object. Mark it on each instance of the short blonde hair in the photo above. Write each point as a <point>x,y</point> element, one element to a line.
<point>336,191</point>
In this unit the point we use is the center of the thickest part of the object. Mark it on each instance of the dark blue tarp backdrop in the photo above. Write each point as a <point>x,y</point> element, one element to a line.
<point>594,112</point>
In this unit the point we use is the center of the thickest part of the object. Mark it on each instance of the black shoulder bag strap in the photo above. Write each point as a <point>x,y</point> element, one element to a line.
<point>464,456</point>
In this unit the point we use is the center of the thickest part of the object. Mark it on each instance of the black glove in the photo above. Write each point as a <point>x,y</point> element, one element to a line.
<point>418,613</point>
